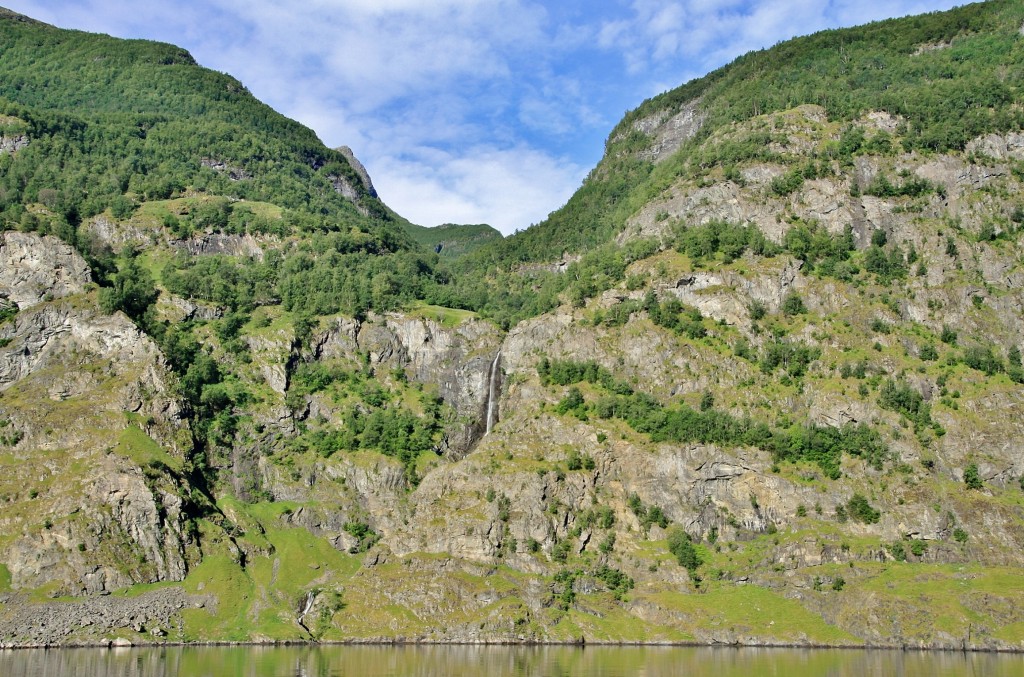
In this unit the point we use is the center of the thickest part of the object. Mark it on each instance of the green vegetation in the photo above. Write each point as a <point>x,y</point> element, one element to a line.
<point>823,445</point>
<point>452,240</point>
<point>613,580</point>
<point>378,419</point>
<point>793,357</point>
<point>568,372</point>
<point>114,124</point>
<point>135,131</point>
<point>983,359</point>
<point>793,305</point>
<point>681,547</point>
<point>900,397</point>
<point>364,535</point>
<point>131,290</point>
<point>719,237</point>
<point>671,314</point>
<point>7,312</point>
<point>9,436</point>
<point>859,509</point>
<point>971,477</point>
<point>146,123</point>
<point>647,514</point>
<point>578,461</point>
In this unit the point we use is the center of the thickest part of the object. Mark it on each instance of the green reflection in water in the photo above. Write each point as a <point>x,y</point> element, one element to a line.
<point>424,661</point>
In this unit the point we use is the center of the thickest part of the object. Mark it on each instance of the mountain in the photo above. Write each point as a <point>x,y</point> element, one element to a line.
<point>452,240</point>
<point>758,382</point>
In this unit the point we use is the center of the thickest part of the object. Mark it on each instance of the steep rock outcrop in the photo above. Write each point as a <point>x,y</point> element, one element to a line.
<point>361,172</point>
<point>12,144</point>
<point>89,397</point>
<point>670,130</point>
<point>119,234</point>
<point>221,243</point>
<point>34,268</point>
<point>456,359</point>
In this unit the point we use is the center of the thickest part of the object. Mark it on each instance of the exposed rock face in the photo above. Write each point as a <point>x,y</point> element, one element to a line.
<point>12,144</point>
<point>698,487</point>
<point>826,201</point>
<point>221,243</point>
<point>89,397</point>
<point>119,234</point>
<point>670,131</point>
<point>515,488</point>
<point>345,188</point>
<point>39,340</point>
<point>458,360</point>
<point>838,203</point>
<point>519,523</point>
<point>348,190</point>
<point>234,173</point>
<point>364,176</point>
<point>117,514</point>
<point>34,268</point>
<point>190,309</point>
<point>273,355</point>
<point>15,16</point>
<point>999,146</point>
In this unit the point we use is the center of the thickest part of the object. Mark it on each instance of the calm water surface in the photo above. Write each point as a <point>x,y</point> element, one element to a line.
<point>387,661</point>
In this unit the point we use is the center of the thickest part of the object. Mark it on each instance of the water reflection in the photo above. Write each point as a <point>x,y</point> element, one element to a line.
<point>427,661</point>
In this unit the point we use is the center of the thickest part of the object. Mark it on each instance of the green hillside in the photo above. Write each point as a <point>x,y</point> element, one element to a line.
<point>452,240</point>
<point>944,98</point>
<point>114,124</point>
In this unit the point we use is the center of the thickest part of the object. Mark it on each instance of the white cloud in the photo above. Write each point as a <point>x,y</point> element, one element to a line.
<point>508,188</point>
<point>375,52</point>
<point>378,7</point>
<point>708,33</point>
<point>614,33</point>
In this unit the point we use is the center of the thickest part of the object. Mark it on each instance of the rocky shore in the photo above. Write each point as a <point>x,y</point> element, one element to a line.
<point>93,621</point>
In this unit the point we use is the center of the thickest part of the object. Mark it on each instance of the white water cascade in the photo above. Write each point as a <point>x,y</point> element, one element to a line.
<point>492,393</point>
<point>307,606</point>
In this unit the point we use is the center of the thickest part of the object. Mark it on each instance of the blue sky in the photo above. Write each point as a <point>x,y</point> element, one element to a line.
<point>466,111</point>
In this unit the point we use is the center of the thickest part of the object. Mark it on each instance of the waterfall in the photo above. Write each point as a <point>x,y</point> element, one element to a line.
<point>308,606</point>
<point>492,393</point>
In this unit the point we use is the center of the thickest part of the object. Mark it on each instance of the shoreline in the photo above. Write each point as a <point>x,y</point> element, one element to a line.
<point>118,644</point>
<point>111,622</point>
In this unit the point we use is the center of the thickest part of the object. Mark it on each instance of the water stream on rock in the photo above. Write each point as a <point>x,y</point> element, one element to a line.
<point>492,393</point>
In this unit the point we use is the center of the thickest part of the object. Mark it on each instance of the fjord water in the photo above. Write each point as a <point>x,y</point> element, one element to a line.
<point>422,661</point>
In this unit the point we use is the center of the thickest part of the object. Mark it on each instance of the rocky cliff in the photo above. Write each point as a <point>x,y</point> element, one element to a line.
<point>95,442</point>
